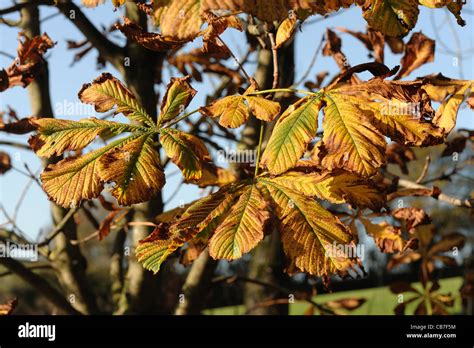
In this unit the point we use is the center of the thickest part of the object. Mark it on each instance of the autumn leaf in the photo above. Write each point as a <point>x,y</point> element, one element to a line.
<point>233,112</point>
<point>388,238</point>
<point>350,140</point>
<point>309,232</point>
<point>152,41</point>
<point>179,94</point>
<point>242,228</point>
<point>185,150</point>
<point>451,94</point>
<point>9,307</point>
<point>106,92</point>
<point>295,128</point>
<point>336,187</point>
<point>29,62</point>
<point>418,51</point>
<point>285,31</point>
<point>57,136</point>
<point>391,17</point>
<point>155,249</point>
<point>135,169</point>
<point>179,19</point>
<point>72,180</point>
<point>5,162</point>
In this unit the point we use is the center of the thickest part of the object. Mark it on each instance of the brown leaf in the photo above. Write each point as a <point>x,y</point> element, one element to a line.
<point>216,26</point>
<point>433,192</point>
<point>418,51</point>
<point>400,155</point>
<point>448,243</point>
<point>388,238</point>
<point>7,308</point>
<point>373,40</point>
<point>5,162</point>
<point>406,257</point>
<point>152,41</point>
<point>28,63</point>
<point>456,145</point>
<point>400,287</point>
<point>412,216</point>
<point>346,303</point>
<point>23,126</point>
<point>333,48</point>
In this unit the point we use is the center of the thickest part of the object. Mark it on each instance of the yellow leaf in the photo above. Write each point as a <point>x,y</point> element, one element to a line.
<point>387,237</point>
<point>135,169</point>
<point>179,94</point>
<point>350,140</point>
<point>263,109</point>
<point>231,110</point>
<point>179,19</point>
<point>216,176</point>
<point>242,228</point>
<point>451,94</point>
<point>314,240</point>
<point>336,187</point>
<point>285,31</point>
<point>186,151</point>
<point>57,136</point>
<point>106,92</point>
<point>201,213</point>
<point>72,180</point>
<point>391,17</point>
<point>295,128</point>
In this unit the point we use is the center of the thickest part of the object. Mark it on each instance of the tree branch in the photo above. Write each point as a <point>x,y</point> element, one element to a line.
<point>465,203</point>
<point>40,284</point>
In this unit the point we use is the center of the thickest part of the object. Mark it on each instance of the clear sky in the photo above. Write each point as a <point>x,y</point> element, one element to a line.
<point>66,81</point>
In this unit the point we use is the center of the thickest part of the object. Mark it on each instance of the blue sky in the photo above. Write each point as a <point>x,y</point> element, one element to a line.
<point>66,81</point>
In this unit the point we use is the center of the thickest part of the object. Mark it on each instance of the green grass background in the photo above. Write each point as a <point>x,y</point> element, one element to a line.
<point>379,301</point>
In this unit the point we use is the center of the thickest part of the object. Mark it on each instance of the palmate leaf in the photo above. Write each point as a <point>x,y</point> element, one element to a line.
<point>310,234</point>
<point>242,228</point>
<point>106,92</point>
<point>132,163</point>
<point>186,151</point>
<point>296,127</point>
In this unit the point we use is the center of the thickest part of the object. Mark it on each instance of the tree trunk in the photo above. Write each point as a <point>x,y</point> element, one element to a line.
<point>140,292</point>
<point>267,262</point>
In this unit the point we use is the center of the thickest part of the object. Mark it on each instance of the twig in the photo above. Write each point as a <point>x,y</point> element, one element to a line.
<point>60,226</point>
<point>276,70</point>
<point>13,144</point>
<point>247,76</point>
<point>466,203</point>
<point>311,64</point>
<point>424,171</point>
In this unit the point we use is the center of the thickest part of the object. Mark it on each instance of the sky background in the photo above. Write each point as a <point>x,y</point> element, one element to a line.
<point>66,80</point>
